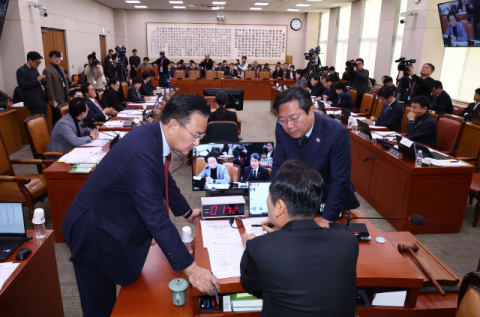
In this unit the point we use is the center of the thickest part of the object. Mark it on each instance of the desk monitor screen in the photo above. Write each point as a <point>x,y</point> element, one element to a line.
<point>230,166</point>
<point>235,96</point>
<point>3,12</point>
<point>257,199</point>
<point>459,15</point>
<point>11,219</point>
<point>476,117</point>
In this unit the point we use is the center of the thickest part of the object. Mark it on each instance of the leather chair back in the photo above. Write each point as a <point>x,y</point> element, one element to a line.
<point>179,74</point>
<point>125,90</point>
<point>233,170</point>
<point>469,296</point>
<point>211,101</point>
<point>64,110</point>
<point>457,110</point>
<point>468,28</point>
<point>376,88</point>
<point>194,74</point>
<point>199,164</point>
<point>210,74</point>
<point>263,74</point>
<point>75,79</point>
<point>366,107</point>
<point>377,108</point>
<point>250,74</point>
<point>5,165</point>
<point>221,132</point>
<point>449,132</point>
<point>220,74</point>
<point>271,73</point>
<point>38,135</point>
<point>445,24</point>
<point>100,95</point>
<point>405,119</point>
<point>354,94</point>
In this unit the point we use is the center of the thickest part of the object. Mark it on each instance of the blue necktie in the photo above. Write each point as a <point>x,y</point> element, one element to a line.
<point>301,140</point>
<point>385,108</point>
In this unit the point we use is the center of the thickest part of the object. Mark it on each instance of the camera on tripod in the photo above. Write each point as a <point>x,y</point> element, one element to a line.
<point>404,64</point>
<point>121,51</point>
<point>312,54</point>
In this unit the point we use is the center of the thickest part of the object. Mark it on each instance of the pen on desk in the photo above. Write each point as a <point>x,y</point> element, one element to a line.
<point>257,226</point>
<point>216,293</point>
<point>451,162</point>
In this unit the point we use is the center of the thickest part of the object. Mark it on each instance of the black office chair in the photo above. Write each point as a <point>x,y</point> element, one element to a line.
<point>222,132</point>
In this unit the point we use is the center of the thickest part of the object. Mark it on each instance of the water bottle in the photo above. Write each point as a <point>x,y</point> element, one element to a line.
<point>38,222</point>
<point>187,238</point>
<point>419,159</point>
<point>354,127</point>
<point>350,122</point>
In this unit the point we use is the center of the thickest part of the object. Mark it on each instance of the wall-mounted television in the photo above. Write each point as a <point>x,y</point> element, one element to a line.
<point>460,27</point>
<point>235,96</point>
<point>220,167</point>
<point>3,13</point>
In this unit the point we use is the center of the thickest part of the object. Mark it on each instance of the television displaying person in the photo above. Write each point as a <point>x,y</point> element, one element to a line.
<point>255,172</point>
<point>214,173</point>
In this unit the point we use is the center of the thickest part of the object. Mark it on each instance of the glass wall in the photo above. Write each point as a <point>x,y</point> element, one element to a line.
<point>342,37</point>
<point>323,38</point>
<point>368,42</point>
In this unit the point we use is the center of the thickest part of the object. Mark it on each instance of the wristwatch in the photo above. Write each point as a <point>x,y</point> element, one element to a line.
<point>189,213</point>
<point>410,121</point>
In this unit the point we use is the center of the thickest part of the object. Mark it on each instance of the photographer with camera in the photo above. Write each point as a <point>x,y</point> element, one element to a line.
<point>206,64</point>
<point>358,78</point>
<point>421,85</point>
<point>94,72</point>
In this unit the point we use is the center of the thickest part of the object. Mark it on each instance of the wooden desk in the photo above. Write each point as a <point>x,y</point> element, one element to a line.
<point>395,188</point>
<point>378,265</point>
<point>116,118</point>
<point>10,131</point>
<point>34,288</point>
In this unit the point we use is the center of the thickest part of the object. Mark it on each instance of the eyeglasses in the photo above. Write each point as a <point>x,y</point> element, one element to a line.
<point>38,63</point>
<point>196,137</point>
<point>291,120</point>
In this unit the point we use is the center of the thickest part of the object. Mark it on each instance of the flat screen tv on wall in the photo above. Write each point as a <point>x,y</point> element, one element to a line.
<point>460,25</point>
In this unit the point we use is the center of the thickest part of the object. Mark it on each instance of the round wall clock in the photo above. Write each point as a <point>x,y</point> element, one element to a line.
<point>296,24</point>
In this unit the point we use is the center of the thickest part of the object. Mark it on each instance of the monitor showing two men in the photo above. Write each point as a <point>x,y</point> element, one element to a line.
<point>231,166</point>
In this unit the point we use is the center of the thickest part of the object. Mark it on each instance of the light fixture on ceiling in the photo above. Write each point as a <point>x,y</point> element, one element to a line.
<point>302,5</point>
<point>220,17</point>
<point>293,9</point>
<point>261,4</point>
<point>219,2</point>
<point>140,7</point>
<point>255,8</point>
<point>179,7</point>
<point>175,2</point>
<point>133,1</point>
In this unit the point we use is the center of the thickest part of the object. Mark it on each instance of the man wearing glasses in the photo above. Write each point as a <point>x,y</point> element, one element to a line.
<point>32,84</point>
<point>125,202</point>
<point>321,142</point>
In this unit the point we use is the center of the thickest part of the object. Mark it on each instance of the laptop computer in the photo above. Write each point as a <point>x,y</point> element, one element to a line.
<point>439,110</point>
<point>476,117</point>
<point>321,106</point>
<point>12,228</point>
<point>345,115</point>
<point>365,128</point>
<point>410,152</point>
<point>257,199</point>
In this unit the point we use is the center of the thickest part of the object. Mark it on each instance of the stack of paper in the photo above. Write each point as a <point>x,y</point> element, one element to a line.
<point>18,105</point>
<point>396,299</point>
<point>245,302</point>
<point>81,155</point>
<point>258,231</point>
<point>97,142</point>
<point>6,269</point>
<point>114,123</point>
<point>82,168</point>
<point>376,127</point>
<point>129,113</point>
<point>335,113</point>
<point>448,163</point>
<point>110,135</point>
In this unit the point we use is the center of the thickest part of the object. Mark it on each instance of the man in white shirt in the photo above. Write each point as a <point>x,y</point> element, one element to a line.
<point>95,112</point>
<point>242,67</point>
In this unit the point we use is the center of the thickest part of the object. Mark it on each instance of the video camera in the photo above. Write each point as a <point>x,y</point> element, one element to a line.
<point>404,64</point>
<point>121,51</point>
<point>312,54</point>
<point>350,65</point>
<point>95,61</point>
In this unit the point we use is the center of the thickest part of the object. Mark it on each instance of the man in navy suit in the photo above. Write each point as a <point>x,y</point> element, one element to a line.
<point>329,93</point>
<point>392,111</point>
<point>110,224</point>
<point>95,111</point>
<point>321,142</point>
<point>255,172</point>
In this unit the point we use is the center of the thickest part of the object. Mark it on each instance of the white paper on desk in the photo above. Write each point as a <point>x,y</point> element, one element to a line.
<point>376,127</point>
<point>334,112</point>
<point>80,155</point>
<point>396,299</point>
<point>258,231</point>
<point>386,133</point>
<point>225,258</point>
<point>97,142</point>
<point>18,105</point>
<point>376,135</point>
<point>361,118</point>
<point>110,135</point>
<point>448,163</point>
<point>131,112</point>
<point>406,142</point>
<point>218,230</point>
<point>114,123</point>
<point>6,269</point>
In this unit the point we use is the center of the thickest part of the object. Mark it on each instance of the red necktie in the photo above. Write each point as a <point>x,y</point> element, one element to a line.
<point>167,164</point>
<point>96,104</point>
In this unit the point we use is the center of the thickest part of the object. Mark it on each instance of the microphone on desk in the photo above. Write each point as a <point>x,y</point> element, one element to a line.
<point>415,219</point>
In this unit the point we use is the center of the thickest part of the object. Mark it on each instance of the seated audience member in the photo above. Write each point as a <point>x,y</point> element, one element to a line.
<point>300,81</point>
<point>285,68</point>
<point>133,91</point>
<point>259,68</point>
<point>270,150</point>
<point>95,112</point>
<point>266,161</point>
<point>214,172</point>
<point>4,101</point>
<point>333,75</point>
<point>220,67</point>
<point>388,82</point>
<point>180,68</point>
<point>255,66</point>
<point>329,93</point>
<point>145,63</point>
<point>474,106</point>
<point>110,97</point>
<point>228,149</point>
<point>299,268</point>
<point>68,132</point>
<point>193,66</point>
<point>317,86</point>
<point>255,172</point>
<point>231,71</point>
<point>456,30</point>
<point>344,99</point>
<point>74,93</point>
<point>150,84</point>
<point>266,67</point>
<point>440,98</point>
<point>214,67</point>
<point>392,112</point>
<point>422,126</point>
<point>277,73</point>
<point>17,95</point>
<point>291,73</point>
<point>222,114</point>
<point>144,89</point>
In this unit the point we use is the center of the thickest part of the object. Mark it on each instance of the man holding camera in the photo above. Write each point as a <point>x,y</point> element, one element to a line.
<point>421,85</point>
<point>162,64</point>
<point>56,84</point>
<point>94,72</point>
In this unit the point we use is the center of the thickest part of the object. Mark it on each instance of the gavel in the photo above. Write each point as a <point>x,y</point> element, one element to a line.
<point>412,250</point>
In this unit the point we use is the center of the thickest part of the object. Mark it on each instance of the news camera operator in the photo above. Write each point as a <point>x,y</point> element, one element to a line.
<point>94,72</point>
<point>421,85</point>
<point>358,78</point>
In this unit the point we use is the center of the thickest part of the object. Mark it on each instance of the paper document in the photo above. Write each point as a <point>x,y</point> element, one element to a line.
<point>225,258</point>
<point>406,142</point>
<point>18,105</point>
<point>258,231</point>
<point>97,142</point>
<point>132,112</point>
<point>110,135</point>
<point>386,133</point>
<point>376,135</point>
<point>338,112</point>
<point>6,269</point>
<point>218,230</point>
<point>396,299</point>
<point>361,118</point>
<point>114,123</point>
<point>81,155</point>
<point>376,127</point>
<point>448,163</point>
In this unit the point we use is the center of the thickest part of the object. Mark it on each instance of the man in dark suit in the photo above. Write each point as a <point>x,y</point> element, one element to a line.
<point>422,85</point>
<point>422,126</point>
<point>56,85</point>
<point>321,142</point>
<point>108,59</point>
<point>388,82</point>
<point>333,74</point>
<point>329,93</point>
<point>231,71</point>
<point>440,98</point>
<point>111,97</point>
<point>299,268</point>
<point>134,62</point>
<point>32,84</point>
<point>162,64</point>
<point>317,86</point>
<point>95,112</point>
<point>255,172</point>
<point>392,111</point>
<point>144,89</point>
<point>110,225</point>
<point>467,113</point>
<point>114,69</point>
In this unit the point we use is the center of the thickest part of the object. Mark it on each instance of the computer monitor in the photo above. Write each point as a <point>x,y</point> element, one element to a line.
<point>11,219</point>
<point>458,14</point>
<point>235,96</point>
<point>234,165</point>
<point>257,199</point>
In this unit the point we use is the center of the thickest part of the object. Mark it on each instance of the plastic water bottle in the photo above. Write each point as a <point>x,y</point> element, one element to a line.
<point>187,238</point>
<point>38,222</point>
<point>419,159</point>
<point>350,122</point>
<point>354,127</point>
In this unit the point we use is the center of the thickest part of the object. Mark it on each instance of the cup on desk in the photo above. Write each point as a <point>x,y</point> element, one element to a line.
<point>178,287</point>
<point>427,161</point>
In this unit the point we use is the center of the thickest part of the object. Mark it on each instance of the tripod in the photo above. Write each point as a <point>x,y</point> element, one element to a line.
<point>402,93</point>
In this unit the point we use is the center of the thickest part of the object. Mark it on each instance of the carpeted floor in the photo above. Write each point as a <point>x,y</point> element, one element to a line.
<point>460,251</point>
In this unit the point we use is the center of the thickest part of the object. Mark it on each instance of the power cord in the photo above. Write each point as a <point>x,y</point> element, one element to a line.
<point>231,220</point>
<point>371,156</point>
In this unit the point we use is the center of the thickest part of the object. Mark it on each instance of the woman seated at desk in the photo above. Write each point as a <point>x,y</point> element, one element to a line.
<point>222,114</point>
<point>278,73</point>
<point>300,80</point>
<point>68,132</point>
<point>213,172</point>
<point>133,91</point>
<point>344,99</point>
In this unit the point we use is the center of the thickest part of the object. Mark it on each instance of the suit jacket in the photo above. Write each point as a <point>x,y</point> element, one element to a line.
<point>145,90</point>
<point>107,60</point>
<point>229,116</point>
<point>392,118</point>
<point>111,99</point>
<point>208,65</point>
<point>423,86</point>
<point>317,91</point>
<point>231,73</point>
<point>317,279</point>
<point>290,75</point>
<point>114,71</point>
<point>467,113</point>
<point>165,65</point>
<point>444,100</point>
<point>262,174</point>
<point>331,93</point>
<point>423,130</point>
<point>17,95</point>
<point>65,136</point>
<point>111,222</point>
<point>329,153</point>
<point>223,176</point>
<point>276,74</point>
<point>94,114</point>
<point>344,100</point>
<point>302,82</point>
<point>462,34</point>
<point>56,86</point>
<point>98,80</point>
<point>134,95</point>
<point>33,90</point>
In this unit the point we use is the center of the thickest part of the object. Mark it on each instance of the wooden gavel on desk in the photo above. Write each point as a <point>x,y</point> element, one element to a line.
<point>402,248</point>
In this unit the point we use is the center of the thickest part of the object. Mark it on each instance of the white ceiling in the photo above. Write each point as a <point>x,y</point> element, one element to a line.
<point>231,5</point>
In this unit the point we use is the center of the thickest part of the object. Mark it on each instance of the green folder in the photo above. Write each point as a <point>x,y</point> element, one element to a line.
<point>245,300</point>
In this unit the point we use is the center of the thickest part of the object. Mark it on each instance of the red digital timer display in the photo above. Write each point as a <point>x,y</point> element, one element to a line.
<point>230,210</point>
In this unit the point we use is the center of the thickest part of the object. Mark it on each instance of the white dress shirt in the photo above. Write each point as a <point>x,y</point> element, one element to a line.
<point>166,147</point>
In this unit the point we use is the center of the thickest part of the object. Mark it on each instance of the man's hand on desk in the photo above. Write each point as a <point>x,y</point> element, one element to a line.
<point>268,226</point>
<point>329,102</point>
<point>324,223</point>
<point>246,237</point>
<point>325,97</point>
<point>411,116</point>
<point>194,216</point>
<point>202,279</point>
<point>369,121</point>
